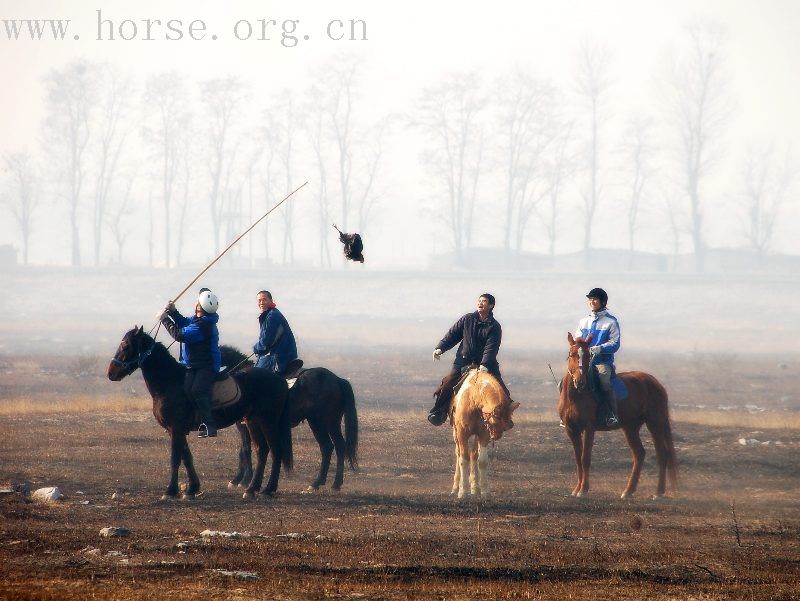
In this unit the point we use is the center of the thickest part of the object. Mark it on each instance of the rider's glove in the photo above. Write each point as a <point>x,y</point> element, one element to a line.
<point>595,350</point>
<point>437,353</point>
<point>483,368</point>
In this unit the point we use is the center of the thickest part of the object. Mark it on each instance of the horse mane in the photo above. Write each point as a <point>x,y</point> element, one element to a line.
<point>163,359</point>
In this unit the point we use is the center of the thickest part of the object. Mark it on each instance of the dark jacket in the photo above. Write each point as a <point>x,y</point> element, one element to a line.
<point>199,338</point>
<point>276,346</point>
<point>480,340</point>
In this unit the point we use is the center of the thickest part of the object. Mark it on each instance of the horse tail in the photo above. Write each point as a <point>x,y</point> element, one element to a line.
<point>350,423</point>
<point>660,423</point>
<point>285,437</point>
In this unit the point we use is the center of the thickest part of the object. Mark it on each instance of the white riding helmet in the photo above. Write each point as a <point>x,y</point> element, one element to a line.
<point>208,301</point>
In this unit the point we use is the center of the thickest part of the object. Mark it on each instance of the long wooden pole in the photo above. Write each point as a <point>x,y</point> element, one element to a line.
<point>243,234</point>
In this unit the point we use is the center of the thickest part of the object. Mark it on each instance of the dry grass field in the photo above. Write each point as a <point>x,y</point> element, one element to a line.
<point>731,531</point>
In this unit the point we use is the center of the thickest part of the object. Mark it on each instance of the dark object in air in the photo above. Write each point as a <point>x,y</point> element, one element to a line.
<point>353,246</point>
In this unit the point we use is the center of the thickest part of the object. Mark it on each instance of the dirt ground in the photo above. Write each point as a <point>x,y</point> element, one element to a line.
<point>731,531</point>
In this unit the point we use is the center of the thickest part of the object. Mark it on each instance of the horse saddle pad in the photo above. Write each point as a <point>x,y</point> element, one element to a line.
<point>225,393</point>
<point>619,388</point>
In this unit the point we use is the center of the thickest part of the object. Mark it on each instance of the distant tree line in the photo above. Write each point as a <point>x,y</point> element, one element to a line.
<point>166,161</point>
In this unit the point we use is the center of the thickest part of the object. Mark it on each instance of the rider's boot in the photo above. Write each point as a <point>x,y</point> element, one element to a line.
<point>613,416</point>
<point>438,414</point>
<point>208,428</point>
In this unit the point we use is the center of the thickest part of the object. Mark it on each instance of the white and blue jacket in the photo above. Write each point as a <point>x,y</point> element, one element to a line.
<point>604,329</point>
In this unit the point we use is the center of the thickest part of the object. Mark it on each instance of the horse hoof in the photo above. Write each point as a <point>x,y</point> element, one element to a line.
<point>309,490</point>
<point>187,497</point>
<point>232,485</point>
<point>248,496</point>
<point>168,497</point>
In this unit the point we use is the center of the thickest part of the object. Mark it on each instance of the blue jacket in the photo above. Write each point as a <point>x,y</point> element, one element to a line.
<point>199,338</point>
<point>276,346</point>
<point>604,329</point>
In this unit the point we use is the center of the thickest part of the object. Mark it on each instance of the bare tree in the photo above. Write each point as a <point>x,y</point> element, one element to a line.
<point>316,128</point>
<point>636,151</point>
<point>366,194</point>
<point>112,131</point>
<point>282,121</point>
<point>70,97</point>
<point>593,83</point>
<point>525,104</point>
<point>701,110</point>
<point>21,195</point>
<point>222,98</point>
<point>560,165</point>
<point>766,182</point>
<point>118,219</point>
<point>167,100</point>
<point>449,115</point>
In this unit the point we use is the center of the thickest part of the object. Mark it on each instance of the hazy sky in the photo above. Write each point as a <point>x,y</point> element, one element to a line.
<point>409,46</point>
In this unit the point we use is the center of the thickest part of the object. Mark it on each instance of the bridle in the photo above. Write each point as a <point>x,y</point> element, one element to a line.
<point>580,352</point>
<point>141,356</point>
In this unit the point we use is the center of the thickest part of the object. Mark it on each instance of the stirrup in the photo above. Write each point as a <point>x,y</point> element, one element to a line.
<point>612,420</point>
<point>205,432</point>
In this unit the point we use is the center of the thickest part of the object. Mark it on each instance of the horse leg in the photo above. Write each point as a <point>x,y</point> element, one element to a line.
<point>188,463</point>
<point>254,426</point>
<point>338,442</point>
<point>586,461</point>
<point>176,443</point>
<point>483,469</point>
<point>474,484</point>
<point>463,464</point>
<point>325,450</point>
<point>638,453</point>
<point>245,473</point>
<point>273,439</point>
<point>576,439</point>
<point>457,475</point>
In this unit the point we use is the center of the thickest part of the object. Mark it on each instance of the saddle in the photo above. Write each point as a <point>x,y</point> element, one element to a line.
<point>225,393</point>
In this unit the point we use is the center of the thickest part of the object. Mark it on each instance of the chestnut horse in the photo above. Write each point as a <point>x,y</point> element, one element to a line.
<point>480,414</point>
<point>646,404</point>
<point>262,403</point>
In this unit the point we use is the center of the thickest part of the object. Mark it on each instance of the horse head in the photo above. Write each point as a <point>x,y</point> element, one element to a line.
<point>578,360</point>
<point>133,349</point>
<point>496,411</point>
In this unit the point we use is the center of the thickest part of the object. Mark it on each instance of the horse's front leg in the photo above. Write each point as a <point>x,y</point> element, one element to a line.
<point>474,484</point>
<point>188,463</point>
<point>586,461</point>
<point>575,437</point>
<point>483,468</point>
<point>457,475</point>
<point>176,442</point>
<point>463,463</point>
<point>245,473</point>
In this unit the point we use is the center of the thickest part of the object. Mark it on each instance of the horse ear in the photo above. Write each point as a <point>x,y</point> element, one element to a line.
<point>514,406</point>
<point>570,339</point>
<point>140,330</point>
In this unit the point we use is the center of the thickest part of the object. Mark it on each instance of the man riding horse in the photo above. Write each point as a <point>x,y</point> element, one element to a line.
<point>276,347</point>
<point>199,338</point>
<point>604,329</point>
<point>479,335</point>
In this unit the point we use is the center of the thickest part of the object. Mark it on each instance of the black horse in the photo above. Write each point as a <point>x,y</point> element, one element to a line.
<point>262,404</point>
<point>323,399</point>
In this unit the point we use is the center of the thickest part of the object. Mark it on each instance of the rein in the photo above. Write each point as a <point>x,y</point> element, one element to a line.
<point>141,357</point>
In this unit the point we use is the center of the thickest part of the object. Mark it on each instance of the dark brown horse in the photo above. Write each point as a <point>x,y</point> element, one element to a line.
<point>323,399</point>
<point>646,404</point>
<point>262,403</point>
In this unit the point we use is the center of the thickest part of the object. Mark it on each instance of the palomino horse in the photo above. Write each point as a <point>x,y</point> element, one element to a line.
<point>646,403</point>
<point>481,413</point>
<point>323,399</point>
<point>262,402</point>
